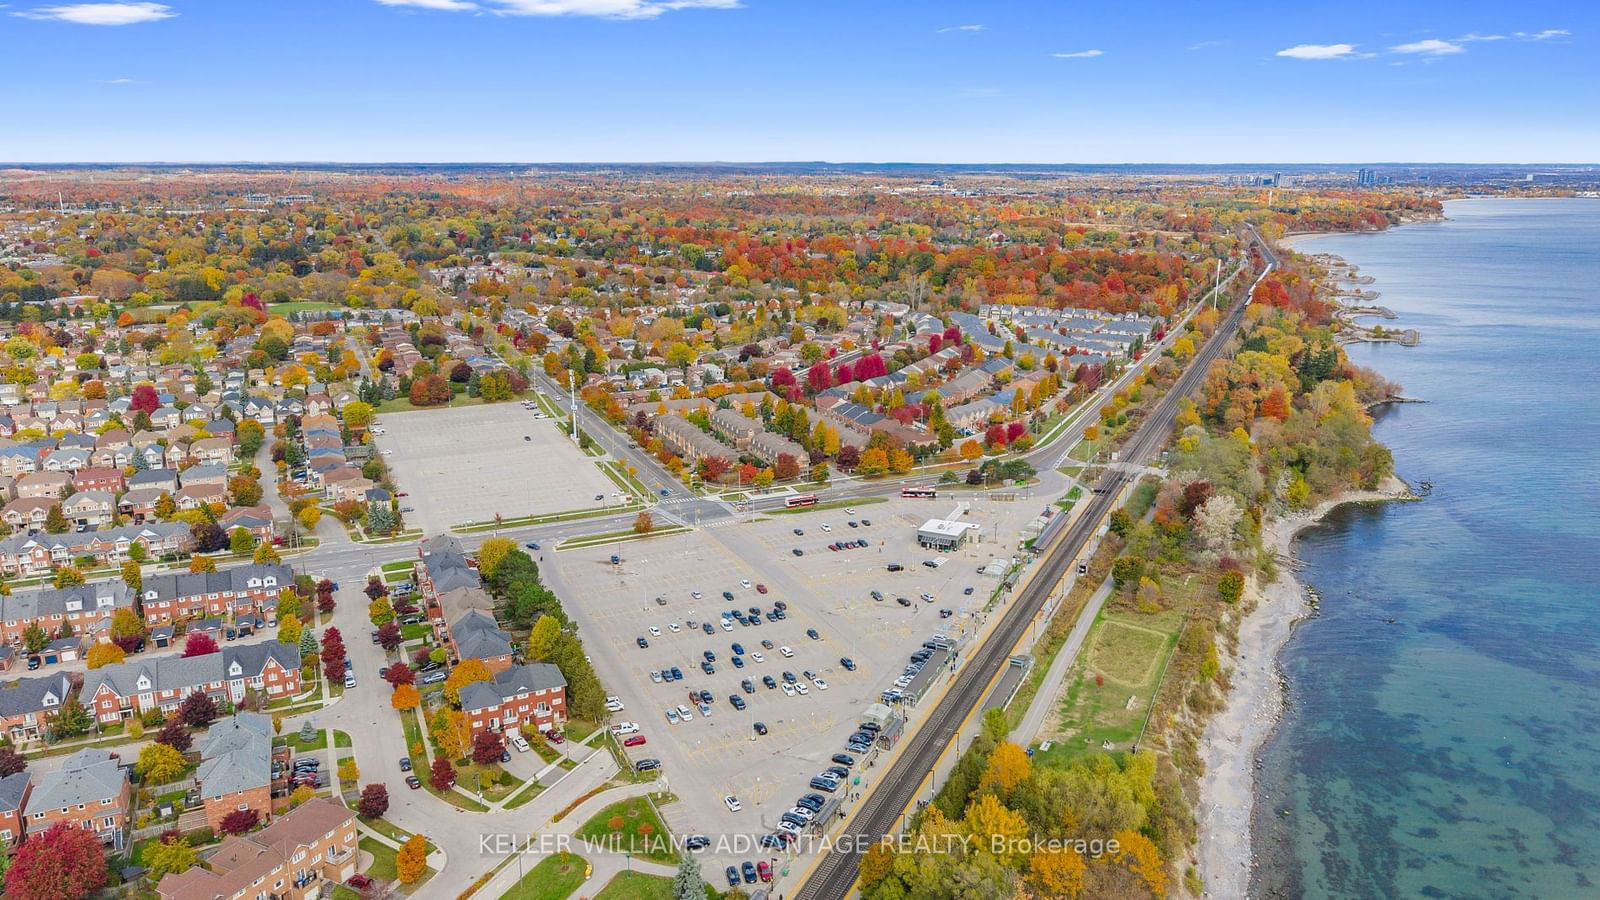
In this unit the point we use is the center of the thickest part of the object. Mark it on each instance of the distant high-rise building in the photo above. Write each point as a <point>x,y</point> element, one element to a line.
<point>1366,178</point>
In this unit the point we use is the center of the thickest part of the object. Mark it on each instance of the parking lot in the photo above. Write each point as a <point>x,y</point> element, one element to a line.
<point>468,463</point>
<point>707,758</point>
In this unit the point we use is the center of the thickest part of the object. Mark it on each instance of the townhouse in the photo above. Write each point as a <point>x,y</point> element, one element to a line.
<point>476,635</point>
<point>28,513</point>
<point>28,704</point>
<point>14,793</point>
<point>533,694</point>
<point>252,588</point>
<point>236,767</point>
<point>686,439</point>
<point>36,554</point>
<point>302,854</point>
<point>123,690</point>
<point>442,566</point>
<point>90,509</point>
<point>86,607</point>
<point>89,790</point>
<point>51,484</point>
<point>98,478</point>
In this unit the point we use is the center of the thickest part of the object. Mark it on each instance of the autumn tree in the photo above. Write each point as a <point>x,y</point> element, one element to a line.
<point>1008,767</point>
<point>175,735</point>
<point>442,775</point>
<point>643,523</point>
<point>541,641</point>
<point>199,644</point>
<point>11,762</point>
<point>468,671</point>
<point>239,821</point>
<point>487,747</point>
<point>198,710</point>
<point>104,654</point>
<point>374,801</point>
<point>1056,872</point>
<point>412,859</point>
<point>493,552</point>
<point>405,697</point>
<point>289,629</point>
<point>169,856</point>
<point>159,763</point>
<point>63,862</point>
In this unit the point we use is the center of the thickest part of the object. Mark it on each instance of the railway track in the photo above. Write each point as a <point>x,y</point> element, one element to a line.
<point>837,872</point>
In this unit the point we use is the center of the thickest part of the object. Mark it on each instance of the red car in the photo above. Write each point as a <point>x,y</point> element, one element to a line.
<point>764,869</point>
<point>554,737</point>
<point>633,740</point>
<point>761,589</point>
<point>359,882</point>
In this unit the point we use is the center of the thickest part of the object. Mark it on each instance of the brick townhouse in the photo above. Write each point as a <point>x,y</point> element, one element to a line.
<point>533,694</point>
<point>243,589</point>
<point>37,554</point>
<point>298,856</point>
<point>14,791</point>
<point>121,691</point>
<point>236,767</point>
<point>86,607</point>
<point>89,790</point>
<point>28,704</point>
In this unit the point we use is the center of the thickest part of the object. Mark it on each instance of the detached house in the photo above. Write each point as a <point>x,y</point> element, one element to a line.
<point>123,690</point>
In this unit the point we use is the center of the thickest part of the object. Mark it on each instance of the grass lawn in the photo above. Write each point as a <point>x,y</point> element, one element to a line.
<point>578,729</point>
<point>493,790</point>
<point>636,886</point>
<point>1114,681</point>
<point>382,859</point>
<point>640,830</point>
<point>554,878</point>
<point>413,632</point>
<point>533,790</point>
<point>319,742</point>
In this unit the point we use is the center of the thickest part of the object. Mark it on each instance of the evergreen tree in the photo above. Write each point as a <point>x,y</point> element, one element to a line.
<point>687,884</point>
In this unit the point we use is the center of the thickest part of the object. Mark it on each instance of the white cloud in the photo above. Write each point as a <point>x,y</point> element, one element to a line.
<point>1081,54</point>
<point>446,5</point>
<point>118,81</point>
<point>1430,47</point>
<point>605,9</point>
<point>1320,51</point>
<point>960,28</point>
<point>102,13</point>
<point>1475,37</point>
<point>1544,35</point>
<point>1204,44</point>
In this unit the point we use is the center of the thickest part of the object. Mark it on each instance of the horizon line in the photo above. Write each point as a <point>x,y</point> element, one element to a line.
<point>797,162</point>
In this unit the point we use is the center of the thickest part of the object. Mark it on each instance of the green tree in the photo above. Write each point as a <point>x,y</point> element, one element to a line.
<point>55,522</point>
<point>34,638</point>
<point>687,883</point>
<point>241,541</point>
<point>289,629</point>
<point>542,640</point>
<point>1230,586</point>
<point>1126,570</point>
<point>73,720</point>
<point>132,576</point>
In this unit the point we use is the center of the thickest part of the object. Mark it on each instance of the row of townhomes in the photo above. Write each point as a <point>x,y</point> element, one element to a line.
<point>462,615</point>
<point>120,691</point>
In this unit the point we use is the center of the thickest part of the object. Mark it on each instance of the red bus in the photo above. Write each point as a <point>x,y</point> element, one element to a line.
<point>927,492</point>
<point>801,500</point>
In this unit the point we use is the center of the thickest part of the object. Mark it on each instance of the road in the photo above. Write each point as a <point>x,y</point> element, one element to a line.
<point>836,873</point>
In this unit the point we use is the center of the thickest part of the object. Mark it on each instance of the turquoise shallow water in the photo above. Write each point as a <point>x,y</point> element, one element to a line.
<point>1456,752</point>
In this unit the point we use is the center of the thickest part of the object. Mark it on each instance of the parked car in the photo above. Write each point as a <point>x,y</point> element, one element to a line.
<point>634,740</point>
<point>760,727</point>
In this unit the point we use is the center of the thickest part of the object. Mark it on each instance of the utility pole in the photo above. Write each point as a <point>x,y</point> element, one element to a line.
<point>1216,288</point>
<point>572,391</point>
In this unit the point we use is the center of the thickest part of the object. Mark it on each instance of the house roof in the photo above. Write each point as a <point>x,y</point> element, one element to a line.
<point>12,788</point>
<point>513,681</point>
<point>88,776</point>
<point>237,755</point>
<point>241,861</point>
<point>175,673</point>
<point>32,695</point>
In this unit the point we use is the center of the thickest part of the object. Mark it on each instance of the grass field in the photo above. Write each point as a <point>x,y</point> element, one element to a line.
<point>636,886</point>
<point>554,878</point>
<point>640,831</point>
<point>1114,681</point>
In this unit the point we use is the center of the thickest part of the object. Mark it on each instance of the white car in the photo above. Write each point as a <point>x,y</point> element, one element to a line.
<point>789,827</point>
<point>673,627</point>
<point>849,510</point>
<point>732,803</point>
<point>654,631</point>
<point>786,652</point>
<point>802,812</point>
<point>788,689</point>
<point>622,728</point>
<point>819,684</point>
<point>727,625</point>
<point>519,742</point>
<point>758,656</point>
<point>826,527</point>
<point>684,713</point>
<point>672,717</point>
<point>696,594</point>
<point>655,675</point>
<point>387,452</point>
<point>613,705</point>
<point>745,584</point>
<point>927,598</point>
<point>802,689</point>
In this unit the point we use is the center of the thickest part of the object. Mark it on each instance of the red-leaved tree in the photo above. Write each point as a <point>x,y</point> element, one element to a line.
<point>374,801</point>
<point>199,644</point>
<point>487,747</point>
<point>239,821</point>
<point>63,862</point>
<point>442,774</point>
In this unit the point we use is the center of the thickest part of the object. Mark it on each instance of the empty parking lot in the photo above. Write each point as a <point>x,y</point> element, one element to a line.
<point>470,463</point>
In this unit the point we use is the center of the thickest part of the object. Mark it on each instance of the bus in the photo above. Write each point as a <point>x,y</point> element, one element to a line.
<point>927,492</point>
<point>801,500</point>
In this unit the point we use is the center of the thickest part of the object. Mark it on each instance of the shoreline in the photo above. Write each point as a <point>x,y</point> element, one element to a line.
<point>1254,704</point>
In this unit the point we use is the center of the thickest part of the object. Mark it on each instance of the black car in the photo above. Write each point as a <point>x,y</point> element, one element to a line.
<point>902,601</point>
<point>866,521</point>
<point>647,765</point>
<point>738,662</point>
<point>749,869</point>
<point>727,595</point>
<point>736,700</point>
<point>812,802</point>
<point>896,567</point>
<point>748,686</point>
<point>33,663</point>
<point>844,759</point>
<point>779,604</point>
<point>641,642</point>
<point>405,763</point>
<point>505,756</point>
<point>799,531</point>
<point>766,644</point>
<point>413,782</point>
<point>798,552</point>
<point>733,876</point>
<point>760,727</point>
<point>705,696</point>
<point>706,627</point>
<point>839,772</point>
<point>696,842</point>
<point>708,656</point>
<point>677,674</point>
<point>812,633</point>
<point>853,524</point>
<point>968,591</point>
<point>789,677</point>
<point>848,663</point>
<point>769,682</point>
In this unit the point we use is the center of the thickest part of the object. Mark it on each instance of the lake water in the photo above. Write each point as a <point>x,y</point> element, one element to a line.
<point>1456,752</point>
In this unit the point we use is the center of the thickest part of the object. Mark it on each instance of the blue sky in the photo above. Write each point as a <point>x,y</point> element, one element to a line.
<point>756,80</point>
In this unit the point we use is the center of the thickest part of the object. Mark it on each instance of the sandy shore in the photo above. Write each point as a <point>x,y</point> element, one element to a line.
<point>1227,790</point>
<point>1292,240</point>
